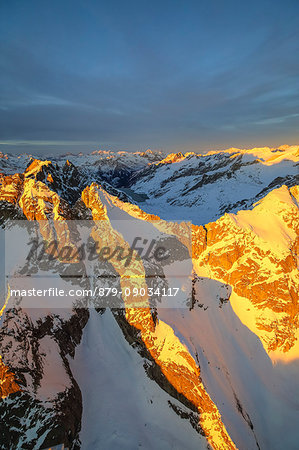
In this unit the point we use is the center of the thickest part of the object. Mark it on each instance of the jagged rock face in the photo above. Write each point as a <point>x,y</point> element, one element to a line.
<point>11,187</point>
<point>46,406</point>
<point>187,186</point>
<point>175,362</point>
<point>254,251</point>
<point>10,192</point>
<point>115,167</point>
<point>33,193</point>
<point>42,403</point>
<point>66,180</point>
<point>8,384</point>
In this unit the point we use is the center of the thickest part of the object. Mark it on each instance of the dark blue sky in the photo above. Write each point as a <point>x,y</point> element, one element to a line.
<point>173,75</point>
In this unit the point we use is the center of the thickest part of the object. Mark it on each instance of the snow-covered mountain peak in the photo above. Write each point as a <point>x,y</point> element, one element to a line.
<point>211,360</point>
<point>273,219</point>
<point>265,155</point>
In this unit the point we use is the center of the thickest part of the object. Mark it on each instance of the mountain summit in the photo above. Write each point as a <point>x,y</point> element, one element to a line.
<point>200,376</point>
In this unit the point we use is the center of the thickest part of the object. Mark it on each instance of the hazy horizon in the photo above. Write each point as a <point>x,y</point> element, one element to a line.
<point>40,150</point>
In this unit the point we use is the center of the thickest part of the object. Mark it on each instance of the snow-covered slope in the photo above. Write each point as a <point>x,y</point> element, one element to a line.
<point>201,188</point>
<point>113,167</point>
<point>256,252</point>
<point>122,407</point>
<point>218,331</point>
<point>191,186</point>
<point>257,399</point>
<point>221,372</point>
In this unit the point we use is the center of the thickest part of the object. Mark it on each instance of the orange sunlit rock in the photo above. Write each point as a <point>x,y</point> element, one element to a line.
<point>169,353</point>
<point>8,384</point>
<point>234,254</point>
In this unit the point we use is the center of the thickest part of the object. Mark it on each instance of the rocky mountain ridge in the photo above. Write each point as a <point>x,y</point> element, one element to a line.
<point>236,249</point>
